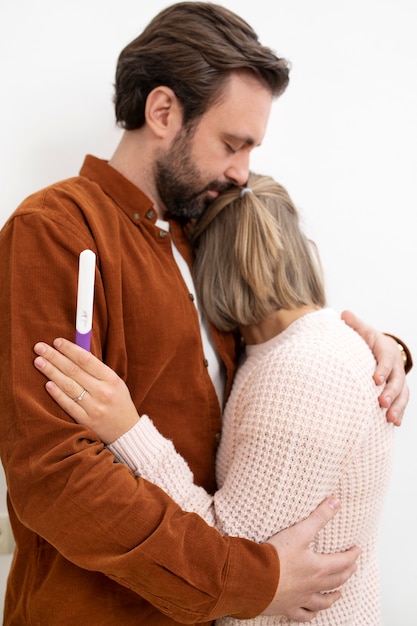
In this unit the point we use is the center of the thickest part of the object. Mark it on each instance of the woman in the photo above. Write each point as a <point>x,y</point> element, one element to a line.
<point>293,432</point>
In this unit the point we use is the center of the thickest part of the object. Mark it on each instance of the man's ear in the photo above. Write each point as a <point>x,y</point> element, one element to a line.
<point>163,112</point>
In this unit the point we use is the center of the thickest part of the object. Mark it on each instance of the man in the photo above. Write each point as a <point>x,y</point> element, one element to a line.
<point>95,545</point>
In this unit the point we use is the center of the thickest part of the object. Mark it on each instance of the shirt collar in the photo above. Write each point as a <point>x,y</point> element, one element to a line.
<point>124,193</point>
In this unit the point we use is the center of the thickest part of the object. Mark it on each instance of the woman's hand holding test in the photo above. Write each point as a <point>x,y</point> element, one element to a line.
<point>105,407</point>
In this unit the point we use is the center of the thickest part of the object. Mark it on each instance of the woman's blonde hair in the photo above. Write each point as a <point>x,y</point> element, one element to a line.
<point>252,258</point>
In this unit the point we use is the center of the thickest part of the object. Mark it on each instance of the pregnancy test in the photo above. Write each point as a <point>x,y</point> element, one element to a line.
<point>85,297</point>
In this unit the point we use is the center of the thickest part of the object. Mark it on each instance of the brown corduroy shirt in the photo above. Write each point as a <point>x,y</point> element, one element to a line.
<point>94,544</point>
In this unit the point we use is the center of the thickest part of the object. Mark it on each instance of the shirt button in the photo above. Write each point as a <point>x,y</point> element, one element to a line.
<point>163,234</point>
<point>205,363</point>
<point>150,214</point>
<point>136,216</point>
<point>192,297</point>
<point>217,437</point>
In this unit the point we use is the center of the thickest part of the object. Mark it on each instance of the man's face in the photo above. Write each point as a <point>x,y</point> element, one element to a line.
<point>213,155</point>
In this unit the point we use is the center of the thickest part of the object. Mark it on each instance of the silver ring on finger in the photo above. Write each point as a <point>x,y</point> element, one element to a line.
<point>81,396</point>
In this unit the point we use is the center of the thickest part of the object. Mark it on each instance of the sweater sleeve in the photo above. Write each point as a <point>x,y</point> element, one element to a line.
<point>264,455</point>
<point>150,455</point>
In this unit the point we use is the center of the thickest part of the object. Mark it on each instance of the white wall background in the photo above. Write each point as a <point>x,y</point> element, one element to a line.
<point>342,139</point>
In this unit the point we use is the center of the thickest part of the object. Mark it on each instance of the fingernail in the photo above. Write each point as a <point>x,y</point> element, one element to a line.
<point>40,348</point>
<point>57,343</point>
<point>334,504</point>
<point>39,362</point>
<point>388,401</point>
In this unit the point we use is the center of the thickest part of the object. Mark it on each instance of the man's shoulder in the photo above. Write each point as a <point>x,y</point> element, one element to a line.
<point>68,199</point>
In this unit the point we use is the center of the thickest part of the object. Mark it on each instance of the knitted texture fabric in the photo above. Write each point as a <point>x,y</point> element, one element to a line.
<point>302,422</point>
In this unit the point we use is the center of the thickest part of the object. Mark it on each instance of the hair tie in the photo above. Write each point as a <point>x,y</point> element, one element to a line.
<point>245,190</point>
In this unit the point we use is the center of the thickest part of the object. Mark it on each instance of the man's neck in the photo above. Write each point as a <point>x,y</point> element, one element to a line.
<point>131,159</point>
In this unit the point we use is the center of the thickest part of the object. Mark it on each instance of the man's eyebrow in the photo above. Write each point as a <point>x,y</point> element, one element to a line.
<point>247,141</point>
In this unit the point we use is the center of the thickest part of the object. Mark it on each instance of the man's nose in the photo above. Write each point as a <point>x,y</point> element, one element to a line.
<point>238,170</point>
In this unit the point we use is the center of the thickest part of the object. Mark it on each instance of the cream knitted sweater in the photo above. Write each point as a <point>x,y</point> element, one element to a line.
<point>302,422</point>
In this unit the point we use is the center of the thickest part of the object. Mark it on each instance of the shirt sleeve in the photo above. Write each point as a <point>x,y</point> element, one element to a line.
<point>64,484</point>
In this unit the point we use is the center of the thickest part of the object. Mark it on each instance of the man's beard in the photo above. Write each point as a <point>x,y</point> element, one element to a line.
<point>179,183</point>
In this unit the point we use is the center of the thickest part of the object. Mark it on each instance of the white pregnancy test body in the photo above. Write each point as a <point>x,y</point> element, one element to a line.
<point>85,298</point>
